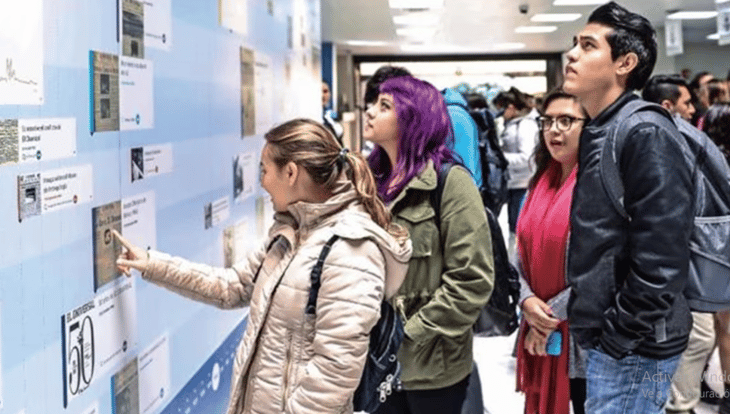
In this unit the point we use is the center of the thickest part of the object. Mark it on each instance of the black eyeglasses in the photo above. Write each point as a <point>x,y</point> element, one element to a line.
<point>563,122</point>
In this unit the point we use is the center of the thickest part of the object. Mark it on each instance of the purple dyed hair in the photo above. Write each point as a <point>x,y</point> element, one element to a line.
<point>424,130</point>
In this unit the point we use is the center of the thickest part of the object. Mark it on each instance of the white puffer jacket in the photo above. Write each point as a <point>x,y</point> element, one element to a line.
<point>287,361</point>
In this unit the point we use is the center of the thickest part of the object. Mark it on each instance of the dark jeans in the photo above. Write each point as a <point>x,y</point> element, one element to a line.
<point>633,384</point>
<point>440,401</point>
<point>514,203</point>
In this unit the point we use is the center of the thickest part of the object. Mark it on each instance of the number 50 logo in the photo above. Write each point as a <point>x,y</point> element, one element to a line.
<point>79,356</point>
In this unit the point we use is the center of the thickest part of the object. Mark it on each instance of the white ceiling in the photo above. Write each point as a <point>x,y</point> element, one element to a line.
<point>480,26</point>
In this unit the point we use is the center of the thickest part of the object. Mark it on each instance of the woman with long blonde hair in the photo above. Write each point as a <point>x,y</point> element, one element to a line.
<point>289,360</point>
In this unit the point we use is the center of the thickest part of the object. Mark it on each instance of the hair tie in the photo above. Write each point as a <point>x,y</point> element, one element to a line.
<point>342,157</point>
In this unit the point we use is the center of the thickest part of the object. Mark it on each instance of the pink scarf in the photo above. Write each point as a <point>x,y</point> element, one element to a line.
<point>542,234</point>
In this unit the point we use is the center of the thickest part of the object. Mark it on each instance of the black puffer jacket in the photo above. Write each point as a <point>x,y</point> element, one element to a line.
<point>628,275</point>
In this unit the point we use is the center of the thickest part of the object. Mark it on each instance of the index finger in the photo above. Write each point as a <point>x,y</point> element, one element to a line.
<point>122,240</point>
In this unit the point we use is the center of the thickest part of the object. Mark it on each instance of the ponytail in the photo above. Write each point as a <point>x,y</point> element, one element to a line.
<point>313,147</point>
<point>367,192</point>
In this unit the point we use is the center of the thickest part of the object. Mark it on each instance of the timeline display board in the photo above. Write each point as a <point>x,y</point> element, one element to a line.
<point>145,118</point>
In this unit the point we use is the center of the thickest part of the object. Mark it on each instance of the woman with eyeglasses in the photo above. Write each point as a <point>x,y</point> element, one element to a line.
<point>549,368</point>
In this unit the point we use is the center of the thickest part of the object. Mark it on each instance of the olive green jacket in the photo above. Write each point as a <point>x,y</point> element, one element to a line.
<point>450,278</point>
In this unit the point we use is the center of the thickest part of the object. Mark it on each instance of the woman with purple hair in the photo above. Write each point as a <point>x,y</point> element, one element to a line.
<point>451,271</point>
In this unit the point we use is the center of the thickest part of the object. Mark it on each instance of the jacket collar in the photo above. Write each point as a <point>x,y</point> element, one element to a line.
<point>425,181</point>
<point>302,217</point>
<point>610,112</point>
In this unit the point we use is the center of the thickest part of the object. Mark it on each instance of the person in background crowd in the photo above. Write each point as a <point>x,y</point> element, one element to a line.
<point>717,127</point>
<point>328,115</point>
<point>372,90</point>
<point>671,92</point>
<point>476,101</point>
<point>700,98</point>
<point>451,273</point>
<point>288,361</point>
<point>549,382</point>
<point>716,91</point>
<point>686,73</point>
<point>627,273</point>
<point>466,133</point>
<point>518,140</point>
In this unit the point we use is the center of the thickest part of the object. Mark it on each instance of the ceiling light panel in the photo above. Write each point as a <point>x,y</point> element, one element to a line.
<point>508,46</point>
<point>692,15</point>
<point>421,32</point>
<point>535,29</point>
<point>416,4</point>
<point>366,43</point>
<point>555,17</point>
<point>578,2</point>
<point>714,36</point>
<point>416,19</point>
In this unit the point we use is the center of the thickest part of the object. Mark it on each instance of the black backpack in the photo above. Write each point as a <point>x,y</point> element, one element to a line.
<point>494,164</point>
<point>499,315</point>
<point>381,375</point>
<point>708,283</point>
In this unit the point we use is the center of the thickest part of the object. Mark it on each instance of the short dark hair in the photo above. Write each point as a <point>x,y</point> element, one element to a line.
<point>372,87</point>
<point>631,33</point>
<point>513,96</point>
<point>661,87</point>
<point>717,125</point>
<point>716,91</point>
<point>476,100</point>
<point>694,85</point>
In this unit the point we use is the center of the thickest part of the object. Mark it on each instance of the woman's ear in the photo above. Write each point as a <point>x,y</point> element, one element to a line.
<point>291,171</point>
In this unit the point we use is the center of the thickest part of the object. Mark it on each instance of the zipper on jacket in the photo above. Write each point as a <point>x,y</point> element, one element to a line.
<point>287,367</point>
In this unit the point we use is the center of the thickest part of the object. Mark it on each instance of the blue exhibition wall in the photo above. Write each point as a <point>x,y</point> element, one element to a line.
<point>146,117</point>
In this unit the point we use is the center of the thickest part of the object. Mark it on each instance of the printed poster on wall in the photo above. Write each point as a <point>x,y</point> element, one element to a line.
<point>216,212</point>
<point>122,94</point>
<point>673,37</point>
<point>158,24</point>
<point>96,336</point>
<point>136,94</point>
<point>245,174</point>
<point>264,81</point>
<point>21,53</point>
<point>132,26</point>
<point>132,217</point>
<point>233,15</point>
<point>248,93</point>
<point>47,191</point>
<point>104,74</point>
<point>154,375</point>
<point>34,140</point>
<point>150,161</point>
<point>723,23</point>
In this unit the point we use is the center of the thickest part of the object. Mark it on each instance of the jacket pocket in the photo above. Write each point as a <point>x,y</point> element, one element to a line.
<point>419,221</point>
<point>422,362</point>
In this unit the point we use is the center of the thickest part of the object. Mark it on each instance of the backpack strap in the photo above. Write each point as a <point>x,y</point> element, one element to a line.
<point>436,194</point>
<point>612,146</point>
<point>316,274</point>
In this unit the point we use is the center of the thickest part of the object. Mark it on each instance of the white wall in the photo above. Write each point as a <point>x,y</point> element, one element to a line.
<point>705,56</point>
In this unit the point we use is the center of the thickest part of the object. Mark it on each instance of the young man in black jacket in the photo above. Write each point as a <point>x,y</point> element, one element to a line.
<point>627,273</point>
